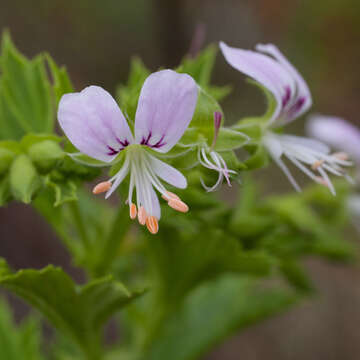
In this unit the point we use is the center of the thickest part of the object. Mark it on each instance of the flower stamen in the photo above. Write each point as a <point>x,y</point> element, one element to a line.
<point>178,205</point>
<point>169,195</point>
<point>102,187</point>
<point>142,215</point>
<point>133,211</point>
<point>341,156</point>
<point>317,164</point>
<point>322,181</point>
<point>152,224</point>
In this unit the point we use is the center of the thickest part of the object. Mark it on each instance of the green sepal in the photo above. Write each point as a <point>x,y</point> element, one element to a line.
<point>253,127</point>
<point>204,113</point>
<point>87,160</point>
<point>270,100</point>
<point>24,179</point>
<point>64,191</point>
<point>230,139</point>
<point>258,157</point>
<point>232,161</point>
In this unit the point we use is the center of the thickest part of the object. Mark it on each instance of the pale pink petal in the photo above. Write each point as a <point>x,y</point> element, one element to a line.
<point>168,173</point>
<point>302,101</point>
<point>307,142</point>
<point>156,210</point>
<point>166,106</point>
<point>94,123</point>
<point>265,70</point>
<point>336,132</point>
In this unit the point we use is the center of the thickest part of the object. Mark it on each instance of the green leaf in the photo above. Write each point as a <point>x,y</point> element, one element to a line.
<point>78,312</point>
<point>19,341</point>
<point>200,67</point>
<point>5,192</point>
<point>61,80</point>
<point>212,313</point>
<point>25,97</point>
<point>24,179</point>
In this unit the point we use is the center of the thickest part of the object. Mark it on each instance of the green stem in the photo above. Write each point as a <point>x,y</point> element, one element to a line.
<point>80,226</point>
<point>117,231</point>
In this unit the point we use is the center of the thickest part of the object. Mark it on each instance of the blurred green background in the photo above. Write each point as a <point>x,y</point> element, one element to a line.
<point>96,40</point>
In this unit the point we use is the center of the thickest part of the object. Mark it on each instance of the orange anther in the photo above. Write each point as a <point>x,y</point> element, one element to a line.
<point>133,211</point>
<point>102,187</point>
<point>152,224</point>
<point>142,215</point>
<point>169,195</point>
<point>341,156</point>
<point>178,205</point>
<point>317,164</point>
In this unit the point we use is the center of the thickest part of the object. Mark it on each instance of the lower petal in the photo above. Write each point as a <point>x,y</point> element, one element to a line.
<point>168,173</point>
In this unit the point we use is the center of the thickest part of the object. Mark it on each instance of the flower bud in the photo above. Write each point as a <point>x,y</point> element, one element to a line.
<point>24,179</point>
<point>45,155</point>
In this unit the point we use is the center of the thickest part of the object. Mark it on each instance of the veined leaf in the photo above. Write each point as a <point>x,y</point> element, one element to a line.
<point>77,311</point>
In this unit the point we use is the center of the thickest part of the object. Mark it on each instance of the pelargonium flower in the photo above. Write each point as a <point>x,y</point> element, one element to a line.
<point>94,123</point>
<point>337,133</point>
<point>269,67</point>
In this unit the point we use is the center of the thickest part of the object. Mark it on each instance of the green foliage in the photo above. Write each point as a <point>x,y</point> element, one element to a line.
<point>128,94</point>
<point>6,158</point>
<point>25,96</point>
<point>61,81</point>
<point>213,312</point>
<point>201,68</point>
<point>79,312</point>
<point>19,342</point>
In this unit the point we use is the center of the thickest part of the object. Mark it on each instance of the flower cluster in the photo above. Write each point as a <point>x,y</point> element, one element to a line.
<point>94,123</point>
